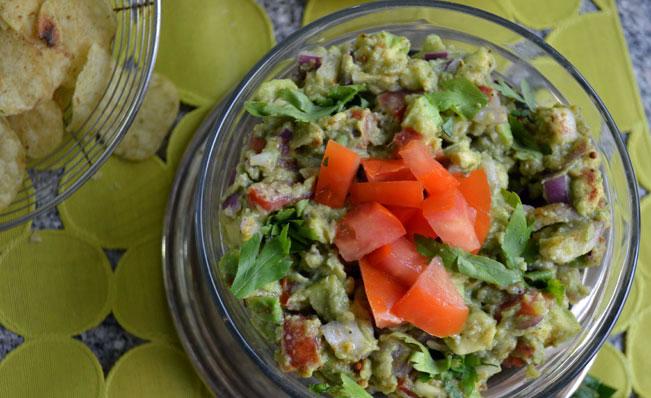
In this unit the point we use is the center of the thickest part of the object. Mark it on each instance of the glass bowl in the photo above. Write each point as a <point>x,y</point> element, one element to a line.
<point>521,55</point>
<point>55,177</point>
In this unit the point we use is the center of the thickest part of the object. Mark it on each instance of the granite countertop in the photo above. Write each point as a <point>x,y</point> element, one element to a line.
<point>108,341</point>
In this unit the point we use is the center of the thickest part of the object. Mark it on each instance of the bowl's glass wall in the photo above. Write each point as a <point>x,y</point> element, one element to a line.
<point>516,56</point>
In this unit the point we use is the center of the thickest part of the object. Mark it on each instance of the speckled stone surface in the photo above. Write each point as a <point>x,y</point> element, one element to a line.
<point>109,341</point>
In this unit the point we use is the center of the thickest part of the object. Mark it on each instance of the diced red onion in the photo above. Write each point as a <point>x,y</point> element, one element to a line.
<point>285,136</point>
<point>435,55</point>
<point>556,189</point>
<point>309,62</point>
<point>232,202</point>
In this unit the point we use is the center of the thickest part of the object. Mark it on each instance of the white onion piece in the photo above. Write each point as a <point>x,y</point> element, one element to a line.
<point>345,339</point>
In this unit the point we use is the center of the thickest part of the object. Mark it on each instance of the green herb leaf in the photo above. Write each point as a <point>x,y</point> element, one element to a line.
<point>459,95</point>
<point>556,289</point>
<point>421,359</point>
<point>487,270</point>
<point>594,388</point>
<point>478,267</point>
<point>517,233</point>
<point>448,127</point>
<point>296,105</point>
<point>350,388</point>
<point>257,268</point>
<point>505,89</point>
<point>431,248</point>
<point>228,264</point>
<point>528,95</point>
<point>319,388</point>
<point>542,275</point>
<point>526,98</point>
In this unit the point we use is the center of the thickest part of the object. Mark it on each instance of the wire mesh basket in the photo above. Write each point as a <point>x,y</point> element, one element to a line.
<point>52,179</point>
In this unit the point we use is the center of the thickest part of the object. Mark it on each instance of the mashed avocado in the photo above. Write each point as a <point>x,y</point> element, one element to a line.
<point>372,96</point>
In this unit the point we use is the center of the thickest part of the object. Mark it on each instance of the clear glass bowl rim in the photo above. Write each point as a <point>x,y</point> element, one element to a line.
<point>202,197</point>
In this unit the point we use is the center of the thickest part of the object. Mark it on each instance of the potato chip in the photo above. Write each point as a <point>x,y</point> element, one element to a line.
<point>12,164</point>
<point>153,121</point>
<point>21,15</point>
<point>29,73</point>
<point>40,130</point>
<point>91,84</point>
<point>74,26</point>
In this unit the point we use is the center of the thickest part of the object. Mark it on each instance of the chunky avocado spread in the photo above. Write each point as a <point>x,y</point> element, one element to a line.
<point>493,283</point>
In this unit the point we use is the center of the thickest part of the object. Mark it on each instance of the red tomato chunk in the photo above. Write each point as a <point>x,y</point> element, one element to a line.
<point>394,193</point>
<point>433,303</point>
<point>400,259</point>
<point>366,228</point>
<point>449,216</point>
<point>338,168</point>
<point>382,292</point>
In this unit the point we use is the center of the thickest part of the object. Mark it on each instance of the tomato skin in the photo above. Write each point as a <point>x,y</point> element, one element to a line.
<point>365,228</point>
<point>393,193</point>
<point>393,103</point>
<point>486,90</point>
<point>433,303</point>
<point>400,259</point>
<point>338,168</point>
<point>476,190</point>
<point>300,343</point>
<point>269,201</point>
<point>404,214</point>
<point>434,177</point>
<point>257,144</point>
<point>449,216</point>
<point>403,137</point>
<point>418,225</point>
<point>377,170</point>
<point>382,292</point>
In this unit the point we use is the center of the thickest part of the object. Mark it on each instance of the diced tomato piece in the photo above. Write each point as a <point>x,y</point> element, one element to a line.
<point>393,103</point>
<point>382,292</point>
<point>404,214</point>
<point>338,168</point>
<point>300,343</point>
<point>404,137</point>
<point>486,90</point>
<point>257,144</point>
<point>377,170</point>
<point>394,193</point>
<point>267,198</point>
<point>448,215</point>
<point>366,228</point>
<point>434,177</point>
<point>399,259</point>
<point>418,225</point>
<point>477,192</point>
<point>433,303</point>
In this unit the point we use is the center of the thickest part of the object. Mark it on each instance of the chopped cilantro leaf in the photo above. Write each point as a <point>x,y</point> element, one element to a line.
<point>556,289</point>
<point>256,267</point>
<point>295,104</point>
<point>517,233</point>
<point>448,127</point>
<point>459,95</point>
<point>477,267</point>
<point>350,388</point>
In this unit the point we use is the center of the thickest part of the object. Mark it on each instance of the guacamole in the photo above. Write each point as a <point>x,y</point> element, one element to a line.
<point>403,222</point>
